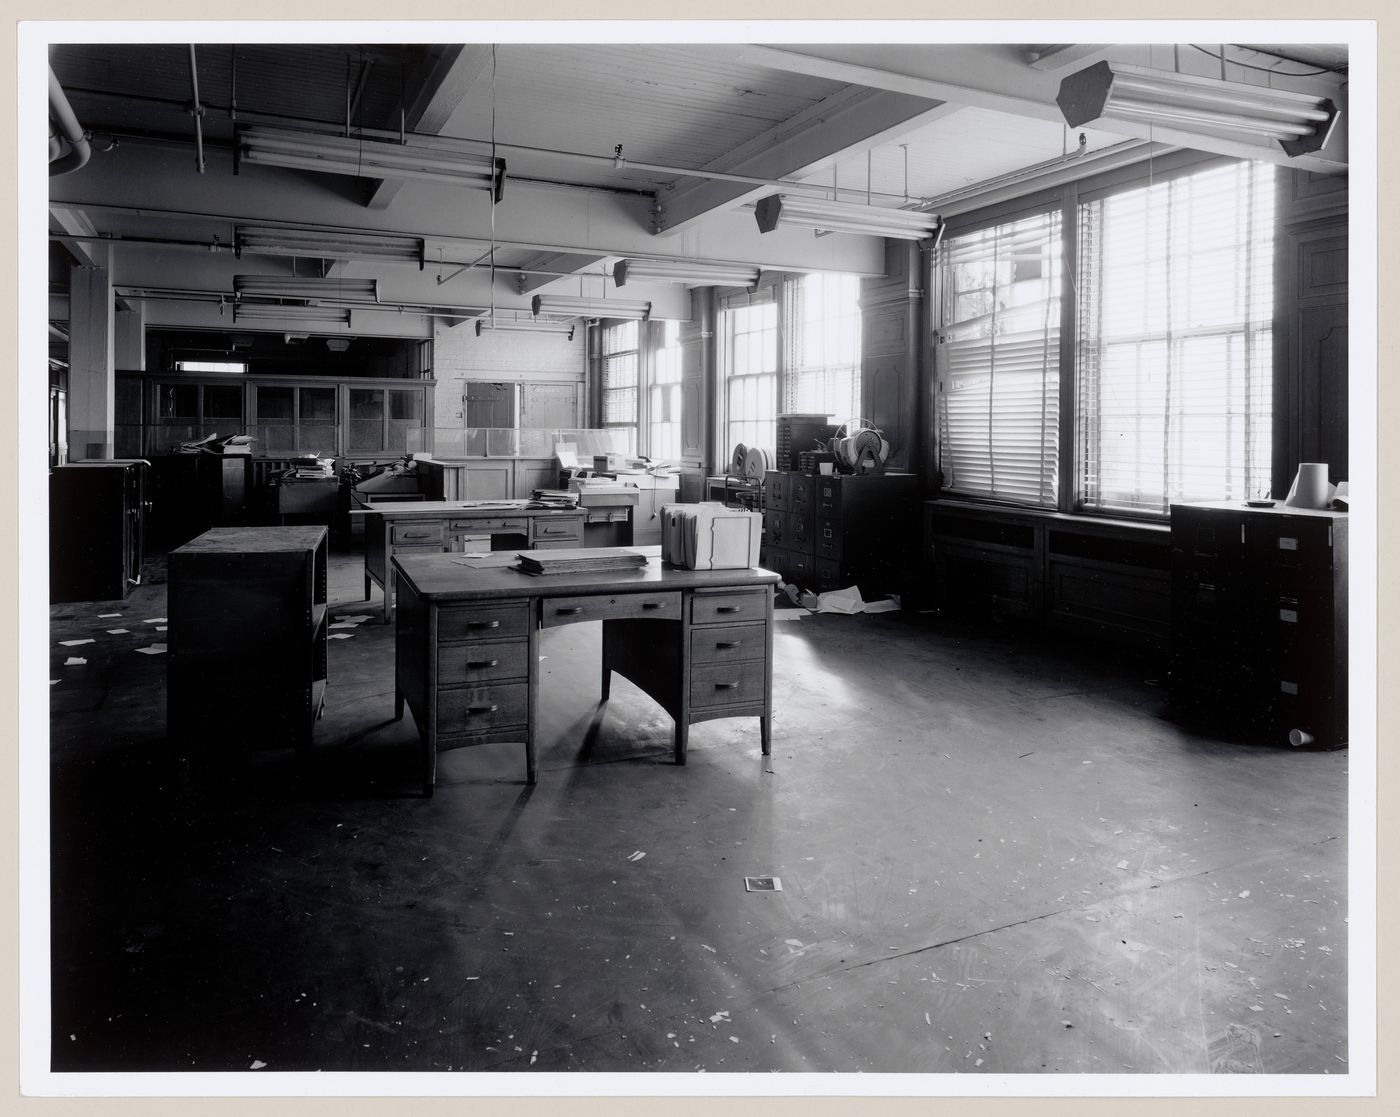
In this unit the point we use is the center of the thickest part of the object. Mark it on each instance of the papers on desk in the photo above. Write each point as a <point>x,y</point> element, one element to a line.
<point>580,560</point>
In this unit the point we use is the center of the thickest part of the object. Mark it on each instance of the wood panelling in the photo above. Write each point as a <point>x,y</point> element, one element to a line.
<point>1311,376</point>
<point>892,310</point>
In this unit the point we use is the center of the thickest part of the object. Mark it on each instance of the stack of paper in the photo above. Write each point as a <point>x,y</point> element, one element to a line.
<point>580,560</point>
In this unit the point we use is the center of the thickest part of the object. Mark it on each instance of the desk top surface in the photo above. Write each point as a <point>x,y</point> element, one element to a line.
<point>444,578</point>
<point>253,540</point>
<point>430,508</point>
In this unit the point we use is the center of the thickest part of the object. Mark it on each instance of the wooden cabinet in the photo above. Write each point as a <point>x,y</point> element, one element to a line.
<point>1259,620</point>
<point>247,638</point>
<point>828,532</point>
<point>97,518</point>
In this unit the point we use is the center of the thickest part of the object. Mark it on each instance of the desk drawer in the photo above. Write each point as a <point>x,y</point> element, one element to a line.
<point>417,534</point>
<point>484,622</point>
<point>727,608</point>
<point>480,663</point>
<point>471,709</point>
<point>549,530</point>
<point>733,684</point>
<point>569,610</point>
<point>487,525</point>
<point>730,643</point>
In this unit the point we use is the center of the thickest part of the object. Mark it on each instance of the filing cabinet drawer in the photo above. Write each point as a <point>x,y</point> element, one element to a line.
<point>802,493</point>
<point>472,709</point>
<point>828,497</point>
<point>732,684</point>
<point>622,606</point>
<point>800,531</point>
<point>416,534</point>
<point>775,491</point>
<point>827,540</point>
<point>499,525</point>
<point>729,608</point>
<point>484,622</point>
<point>481,663</point>
<point>800,568</point>
<point>542,530</point>
<point>774,528</point>
<point>730,643</point>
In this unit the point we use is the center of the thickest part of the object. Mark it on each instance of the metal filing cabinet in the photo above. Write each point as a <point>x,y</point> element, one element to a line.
<point>97,517</point>
<point>1259,629</point>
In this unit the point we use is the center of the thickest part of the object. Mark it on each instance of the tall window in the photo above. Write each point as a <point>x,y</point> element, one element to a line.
<point>1175,344</point>
<point>621,368</point>
<point>822,372</point>
<point>998,364</point>
<point>664,403</point>
<point>751,376</point>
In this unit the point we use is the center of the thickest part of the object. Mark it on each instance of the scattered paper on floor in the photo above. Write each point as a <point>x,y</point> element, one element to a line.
<point>74,661</point>
<point>75,643</point>
<point>154,649</point>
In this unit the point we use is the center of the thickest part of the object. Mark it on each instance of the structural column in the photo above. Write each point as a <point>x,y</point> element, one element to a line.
<point>91,361</point>
<point>130,338</point>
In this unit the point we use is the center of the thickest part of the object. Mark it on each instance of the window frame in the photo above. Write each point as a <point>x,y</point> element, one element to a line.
<point>765,296</point>
<point>1067,198</point>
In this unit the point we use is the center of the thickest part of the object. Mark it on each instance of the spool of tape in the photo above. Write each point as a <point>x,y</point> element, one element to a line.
<point>756,463</point>
<point>738,460</point>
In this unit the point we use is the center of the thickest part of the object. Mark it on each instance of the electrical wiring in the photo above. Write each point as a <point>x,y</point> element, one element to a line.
<point>1262,69</point>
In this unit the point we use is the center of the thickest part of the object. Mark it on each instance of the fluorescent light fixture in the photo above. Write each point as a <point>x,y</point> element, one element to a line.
<point>288,287</point>
<point>1299,123</point>
<point>279,313</point>
<point>571,306</point>
<point>525,327</point>
<point>683,271</point>
<point>366,158</point>
<point>843,217</point>
<point>327,245</point>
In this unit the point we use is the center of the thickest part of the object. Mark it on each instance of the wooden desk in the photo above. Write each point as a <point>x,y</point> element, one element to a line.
<point>700,642</point>
<point>435,526</point>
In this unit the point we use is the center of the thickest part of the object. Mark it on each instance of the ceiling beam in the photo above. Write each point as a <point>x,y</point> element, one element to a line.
<point>441,88</point>
<point>996,76</point>
<point>848,122</point>
<point>76,223</point>
<point>531,279</point>
<point>1056,57</point>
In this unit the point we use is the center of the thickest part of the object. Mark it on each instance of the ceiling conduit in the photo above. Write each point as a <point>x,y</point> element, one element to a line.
<point>65,125</point>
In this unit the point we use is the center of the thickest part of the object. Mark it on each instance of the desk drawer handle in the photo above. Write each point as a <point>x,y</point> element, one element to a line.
<point>481,709</point>
<point>726,609</point>
<point>726,686</point>
<point>417,535</point>
<point>569,612</point>
<point>481,663</point>
<point>653,604</point>
<point>728,643</point>
<point>483,624</point>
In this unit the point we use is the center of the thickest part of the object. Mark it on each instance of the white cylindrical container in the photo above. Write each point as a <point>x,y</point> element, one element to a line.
<point>1310,488</point>
<point>1299,737</point>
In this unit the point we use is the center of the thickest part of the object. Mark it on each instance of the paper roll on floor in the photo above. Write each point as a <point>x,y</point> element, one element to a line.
<point>1310,488</point>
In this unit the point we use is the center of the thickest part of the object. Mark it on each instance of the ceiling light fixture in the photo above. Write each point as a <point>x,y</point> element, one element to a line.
<point>684,271</point>
<point>366,158</point>
<point>1299,123</point>
<point>571,306</point>
<point>525,327</point>
<point>280,313</point>
<point>327,245</point>
<point>843,217</point>
<point>312,289</point>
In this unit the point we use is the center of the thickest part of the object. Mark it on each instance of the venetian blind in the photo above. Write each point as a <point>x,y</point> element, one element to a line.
<point>997,365</point>
<point>1174,355</point>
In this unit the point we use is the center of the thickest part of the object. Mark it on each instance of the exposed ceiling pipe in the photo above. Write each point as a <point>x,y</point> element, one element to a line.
<point>197,111</point>
<point>61,115</point>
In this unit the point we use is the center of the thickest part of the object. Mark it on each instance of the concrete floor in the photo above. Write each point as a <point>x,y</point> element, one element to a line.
<point>996,856</point>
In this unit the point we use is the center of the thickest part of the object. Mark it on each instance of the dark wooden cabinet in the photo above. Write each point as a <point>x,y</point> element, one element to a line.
<point>97,518</point>
<point>1259,620</point>
<point>247,638</point>
<point>829,532</point>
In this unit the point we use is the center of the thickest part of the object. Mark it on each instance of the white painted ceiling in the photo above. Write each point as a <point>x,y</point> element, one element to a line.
<point>575,123</point>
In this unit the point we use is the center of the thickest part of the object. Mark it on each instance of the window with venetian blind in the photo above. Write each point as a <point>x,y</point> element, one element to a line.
<point>751,376</point>
<point>1174,352</point>
<point>822,370</point>
<point>664,397</point>
<point>621,378</point>
<point>997,365</point>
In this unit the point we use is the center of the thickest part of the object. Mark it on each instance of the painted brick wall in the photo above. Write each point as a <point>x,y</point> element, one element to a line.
<point>499,356</point>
